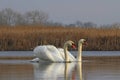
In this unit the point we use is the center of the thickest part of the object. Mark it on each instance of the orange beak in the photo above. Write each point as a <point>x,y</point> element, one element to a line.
<point>73,46</point>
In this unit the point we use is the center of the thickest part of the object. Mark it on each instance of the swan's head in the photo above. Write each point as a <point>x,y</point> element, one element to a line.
<point>82,41</point>
<point>70,43</point>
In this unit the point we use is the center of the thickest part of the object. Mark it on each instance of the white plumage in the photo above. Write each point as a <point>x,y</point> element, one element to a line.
<point>53,54</point>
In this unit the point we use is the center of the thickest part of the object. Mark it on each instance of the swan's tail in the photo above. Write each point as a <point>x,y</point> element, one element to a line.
<point>35,60</point>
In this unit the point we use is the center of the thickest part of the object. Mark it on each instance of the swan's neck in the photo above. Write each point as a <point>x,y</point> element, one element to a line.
<point>65,52</point>
<point>79,57</point>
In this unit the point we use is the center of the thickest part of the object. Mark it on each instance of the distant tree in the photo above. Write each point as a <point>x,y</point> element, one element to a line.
<point>89,25</point>
<point>57,24</point>
<point>79,24</point>
<point>2,21</point>
<point>7,16</point>
<point>10,17</point>
<point>19,19</point>
<point>71,25</point>
<point>115,25</point>
<point>4,17</point>
<point>35,17</point>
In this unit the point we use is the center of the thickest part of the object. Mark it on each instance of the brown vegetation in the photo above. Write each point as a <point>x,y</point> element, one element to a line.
<point>28,37</point>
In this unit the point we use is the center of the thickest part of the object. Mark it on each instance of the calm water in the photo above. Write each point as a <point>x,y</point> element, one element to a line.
<point>87,70</point>
<point>84,53</point>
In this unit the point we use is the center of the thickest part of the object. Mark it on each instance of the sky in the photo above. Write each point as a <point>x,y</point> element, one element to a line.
<point>69,11</point>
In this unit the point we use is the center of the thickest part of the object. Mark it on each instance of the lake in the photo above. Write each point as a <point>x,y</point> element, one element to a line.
<point>84,53</point>
<point>88,69</point>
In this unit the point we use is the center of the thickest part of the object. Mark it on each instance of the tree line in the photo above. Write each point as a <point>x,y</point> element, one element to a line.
<point>13,18</point>
<point>10,17</point>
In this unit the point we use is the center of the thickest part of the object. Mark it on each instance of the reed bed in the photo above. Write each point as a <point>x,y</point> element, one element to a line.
<point>28,37</point>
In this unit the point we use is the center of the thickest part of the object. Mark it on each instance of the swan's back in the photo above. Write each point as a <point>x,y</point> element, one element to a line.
<point>47,52</point>
<point>39,52</point>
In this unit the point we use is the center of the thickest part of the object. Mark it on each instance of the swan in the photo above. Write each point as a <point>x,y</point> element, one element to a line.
<point>80,43</point>
<point>51,53</point>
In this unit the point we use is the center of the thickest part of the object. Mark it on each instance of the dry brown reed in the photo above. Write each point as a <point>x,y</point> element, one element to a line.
<point>28,37</point>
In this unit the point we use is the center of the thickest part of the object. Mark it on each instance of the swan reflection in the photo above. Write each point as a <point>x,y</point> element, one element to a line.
<point>57,71</point>
<point>52,71</point>
<point>79,69</point>
<point>69,71</point>
<point>76,73</point>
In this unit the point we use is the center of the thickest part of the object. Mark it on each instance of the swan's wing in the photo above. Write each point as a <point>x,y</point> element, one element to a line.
<point>35,60</point>
<point>48,52</point>
<point>42,53</point>
<point>55,53</point>
<point>61,51</point>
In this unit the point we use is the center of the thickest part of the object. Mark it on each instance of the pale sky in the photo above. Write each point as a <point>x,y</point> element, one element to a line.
<point>69,11</point>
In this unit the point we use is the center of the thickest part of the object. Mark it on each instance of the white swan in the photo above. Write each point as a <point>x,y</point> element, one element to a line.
<point>51,53</point>
<point>80,43</point>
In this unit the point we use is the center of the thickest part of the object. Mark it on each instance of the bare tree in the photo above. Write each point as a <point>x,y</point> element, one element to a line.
<point>10,17</point>
<point>115,25</point>
<point>79,24</point>
<point>89,25</point>
<point>35,17</point>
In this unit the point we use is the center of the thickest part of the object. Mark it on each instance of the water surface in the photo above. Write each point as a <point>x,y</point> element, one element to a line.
<point>87,70</point>
<point>84,53</point>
